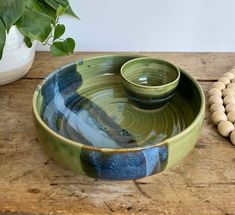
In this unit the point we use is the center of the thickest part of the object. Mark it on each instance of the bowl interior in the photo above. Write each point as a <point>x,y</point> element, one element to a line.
<point>149,72</point>
<point>86,103</point>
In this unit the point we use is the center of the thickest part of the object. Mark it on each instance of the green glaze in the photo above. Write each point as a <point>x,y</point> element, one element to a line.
<point>101,133</point>
<point>150,80</point>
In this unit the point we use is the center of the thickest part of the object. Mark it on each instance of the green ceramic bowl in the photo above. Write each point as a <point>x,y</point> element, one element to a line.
<point>150,82</point>
<point>86,123</point>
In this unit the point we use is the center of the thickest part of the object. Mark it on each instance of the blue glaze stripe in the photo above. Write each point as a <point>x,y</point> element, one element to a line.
<point>76,117</point>
<point>152,158</point>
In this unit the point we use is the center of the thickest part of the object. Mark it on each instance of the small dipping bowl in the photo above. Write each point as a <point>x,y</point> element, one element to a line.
<point>149,82</point>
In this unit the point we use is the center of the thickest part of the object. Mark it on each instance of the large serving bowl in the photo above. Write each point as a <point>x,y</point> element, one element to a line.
<point>86,123</point>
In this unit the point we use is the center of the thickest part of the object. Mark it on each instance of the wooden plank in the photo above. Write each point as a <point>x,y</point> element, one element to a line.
<point>204,183</point>
<point>203,66</point>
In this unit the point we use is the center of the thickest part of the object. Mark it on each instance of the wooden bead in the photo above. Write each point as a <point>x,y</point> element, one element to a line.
<point>232,70</point>
<point>225,128</point>
<point>229,100</point>
<point>231,86</point>
<point>218,85</point>
<point>217,107</point>
<point>215,100</point>
<point>224,80</point>
<point>227,92</point>
<point>215,91</point>
<point>232,137</point>
<point>231,116</point>
<point>218,116</point>
<point>228,75</point>
<point>230,108</point>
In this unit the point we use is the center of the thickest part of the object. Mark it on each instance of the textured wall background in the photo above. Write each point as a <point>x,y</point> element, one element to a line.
<point>153,25</point>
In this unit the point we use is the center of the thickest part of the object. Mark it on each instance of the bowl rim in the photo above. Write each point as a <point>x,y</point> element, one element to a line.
<point>120,150</point>
<point>176,80</point>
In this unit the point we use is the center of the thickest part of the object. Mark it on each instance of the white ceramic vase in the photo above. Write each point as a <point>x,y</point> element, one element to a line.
<point>17,57</point>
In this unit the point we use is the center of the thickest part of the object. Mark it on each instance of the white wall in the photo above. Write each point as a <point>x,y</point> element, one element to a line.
<point>153,25</point>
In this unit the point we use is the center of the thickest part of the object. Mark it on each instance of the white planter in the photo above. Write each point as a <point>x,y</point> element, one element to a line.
<point>17,57</point>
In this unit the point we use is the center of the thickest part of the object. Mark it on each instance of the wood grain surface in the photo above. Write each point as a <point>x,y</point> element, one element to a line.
<point>31,183</point>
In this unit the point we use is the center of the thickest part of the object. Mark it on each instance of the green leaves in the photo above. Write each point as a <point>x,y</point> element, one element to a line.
<point>63,48</point>
<point>37,20</point>
<point>64,3</point>
<point>42,7</point>
<point>34,25</point>
<point>11,11</point>
<point>59,31</point>
<point>60,11</point>
<point>28,42</point>
<point>2,37</point>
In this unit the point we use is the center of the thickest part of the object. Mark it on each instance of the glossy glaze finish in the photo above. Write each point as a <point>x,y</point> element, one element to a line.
<point>150,82</point>
<point>86,123</point>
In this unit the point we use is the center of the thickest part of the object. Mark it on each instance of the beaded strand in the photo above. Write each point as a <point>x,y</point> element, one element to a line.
<point>222,104</point>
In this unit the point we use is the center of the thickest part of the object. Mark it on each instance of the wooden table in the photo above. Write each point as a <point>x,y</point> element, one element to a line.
<point>31,183</point>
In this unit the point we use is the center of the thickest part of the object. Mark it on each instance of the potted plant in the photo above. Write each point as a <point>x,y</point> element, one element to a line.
<point>22,24</point>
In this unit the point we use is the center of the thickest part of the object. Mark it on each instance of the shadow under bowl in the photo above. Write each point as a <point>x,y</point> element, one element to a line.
<point>150,82</point>
<point>86,123</point>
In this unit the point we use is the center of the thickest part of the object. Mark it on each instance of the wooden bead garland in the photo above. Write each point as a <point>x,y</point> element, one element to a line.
<point>215,91</point>
<point>225,128</point>
<point>222,104</point>
<point>217,107</point>
<point>229,75</point>
<point>231,116</point>
<point>215,99</point>
<point>219,85</point>
<point>224,80</point>
<point>227,92</point>
<point>230,108</point>
<point>218,117</point>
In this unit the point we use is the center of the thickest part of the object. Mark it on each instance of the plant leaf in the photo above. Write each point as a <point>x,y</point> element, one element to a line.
<point>64,3</point>
<point>42,7</point>
<point>11,11</point>
<point>2,37</point>
<point>60,11</point>
<point>69,45</point>
<point>57,49</point>
<point>59,31</point>
<point>63,48</point>
<point>35,25</point>
<point>28,42</point>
